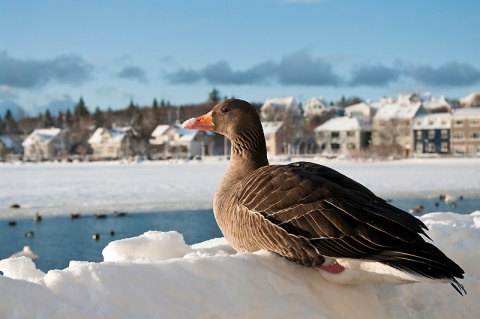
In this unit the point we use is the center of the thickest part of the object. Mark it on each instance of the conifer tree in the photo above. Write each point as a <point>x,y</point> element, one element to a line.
<point>47,120</point>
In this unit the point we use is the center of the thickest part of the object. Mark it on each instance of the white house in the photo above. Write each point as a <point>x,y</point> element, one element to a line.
<point>315,107</point>
<point>341,135</point>
<point>112,143</point>
<point>275,108</point>
<point>174,141</point>
<point>43,144</point>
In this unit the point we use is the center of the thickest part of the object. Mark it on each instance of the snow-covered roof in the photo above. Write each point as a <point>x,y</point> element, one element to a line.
<point>469,99</point>
<point>432,121</point>
<point>435,103</point>
<point>280,102</point>
<point>160,130</point>
<point>7,141</point>
<point>287,104</point>
<point>398,111</point>
<point>116,134</point>
<point>44,136</point>
<point>467,111</point>
<point>184,134</point>
<point>271,127</point>
<point>343,123</point>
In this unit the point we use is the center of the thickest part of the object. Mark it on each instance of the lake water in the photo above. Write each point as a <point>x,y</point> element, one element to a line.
<point>57,240</point>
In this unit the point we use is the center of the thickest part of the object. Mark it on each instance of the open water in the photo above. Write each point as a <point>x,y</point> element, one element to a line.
<point>59,239</point>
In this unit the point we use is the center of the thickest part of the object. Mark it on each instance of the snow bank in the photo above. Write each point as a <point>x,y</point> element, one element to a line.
<point>156,275</point>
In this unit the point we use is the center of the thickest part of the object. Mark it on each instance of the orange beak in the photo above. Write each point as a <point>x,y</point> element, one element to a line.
<point>203,123</point>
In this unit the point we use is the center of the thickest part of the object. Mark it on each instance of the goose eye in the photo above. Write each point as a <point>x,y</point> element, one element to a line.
<point>225,109</point>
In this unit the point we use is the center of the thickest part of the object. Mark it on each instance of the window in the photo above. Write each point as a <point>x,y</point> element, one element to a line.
<point>351,146</point>
<point>458,136</point>
<point>419,147</point>
<point>474,135</point>
<point>474,122</point>
<point>335,146</point>
<point>444,147</point>
<point>431,134</point>
<point>350,133</point>
<point>335,134</point>
<point>431,148</point>
<point>444,134</point>
<point>458,123</point>
<point>419,135</point>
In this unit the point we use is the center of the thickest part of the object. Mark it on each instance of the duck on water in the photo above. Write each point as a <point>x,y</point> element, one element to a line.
<point>314,215</point>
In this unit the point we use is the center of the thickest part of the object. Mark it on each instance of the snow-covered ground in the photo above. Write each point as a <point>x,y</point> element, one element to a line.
<point>156,275</point>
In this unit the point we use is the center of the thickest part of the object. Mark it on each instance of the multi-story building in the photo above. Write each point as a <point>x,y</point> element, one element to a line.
<point>465,132</point>
<point>431,133</point>
<point>392,126</point>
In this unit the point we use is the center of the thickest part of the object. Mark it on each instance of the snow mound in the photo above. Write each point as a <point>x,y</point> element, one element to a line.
<point>156,275</point>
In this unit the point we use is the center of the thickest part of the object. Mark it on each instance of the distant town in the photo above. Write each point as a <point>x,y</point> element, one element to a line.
<point>403,126</point>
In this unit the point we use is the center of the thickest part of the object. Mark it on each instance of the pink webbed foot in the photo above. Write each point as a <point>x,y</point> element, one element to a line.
<point>334,268</point>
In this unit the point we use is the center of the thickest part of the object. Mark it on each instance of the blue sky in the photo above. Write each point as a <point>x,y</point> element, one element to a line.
<point>113,51</point>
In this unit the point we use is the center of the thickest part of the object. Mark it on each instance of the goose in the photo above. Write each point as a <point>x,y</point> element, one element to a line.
<point>313,215</point>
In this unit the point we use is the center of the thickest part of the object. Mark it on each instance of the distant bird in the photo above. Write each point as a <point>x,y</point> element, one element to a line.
<point>96,236</point>
<point>27,252</point>
<point>119,214</point>
<point>12,223</point>
<point>15,206</point>
<point>417,209</point>
<point>314,215</point>
<point>29,234</point>
<point>450,198</point>
<point>74,216</point>
<point>112,233</point>
<point>37,218</point>
<point>100,216</point>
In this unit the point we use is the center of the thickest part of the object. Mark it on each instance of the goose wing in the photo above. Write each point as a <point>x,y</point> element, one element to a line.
<point>341,218</point>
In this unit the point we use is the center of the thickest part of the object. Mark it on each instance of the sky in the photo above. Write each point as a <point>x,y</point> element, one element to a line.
<point>111,52</point>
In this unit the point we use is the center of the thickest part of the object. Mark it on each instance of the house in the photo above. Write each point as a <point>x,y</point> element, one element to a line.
<point>112,143</point>
<point>279,109</point>
<point>342,135</point>
<point>10,148</point>
<point>44,144</point>
<point>315,107</point>
<point>392,125</point>
<point>431,133</point>
<point>363,111</point>
<point>174,141</point>
<point>465,132</point>
<point>275,137</point>
<point>290,113</point>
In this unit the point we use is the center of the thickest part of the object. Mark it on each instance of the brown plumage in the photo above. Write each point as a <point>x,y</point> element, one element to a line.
<point>309,213</point>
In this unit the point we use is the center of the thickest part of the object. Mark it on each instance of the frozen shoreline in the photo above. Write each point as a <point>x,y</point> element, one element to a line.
<point>103,187</point>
